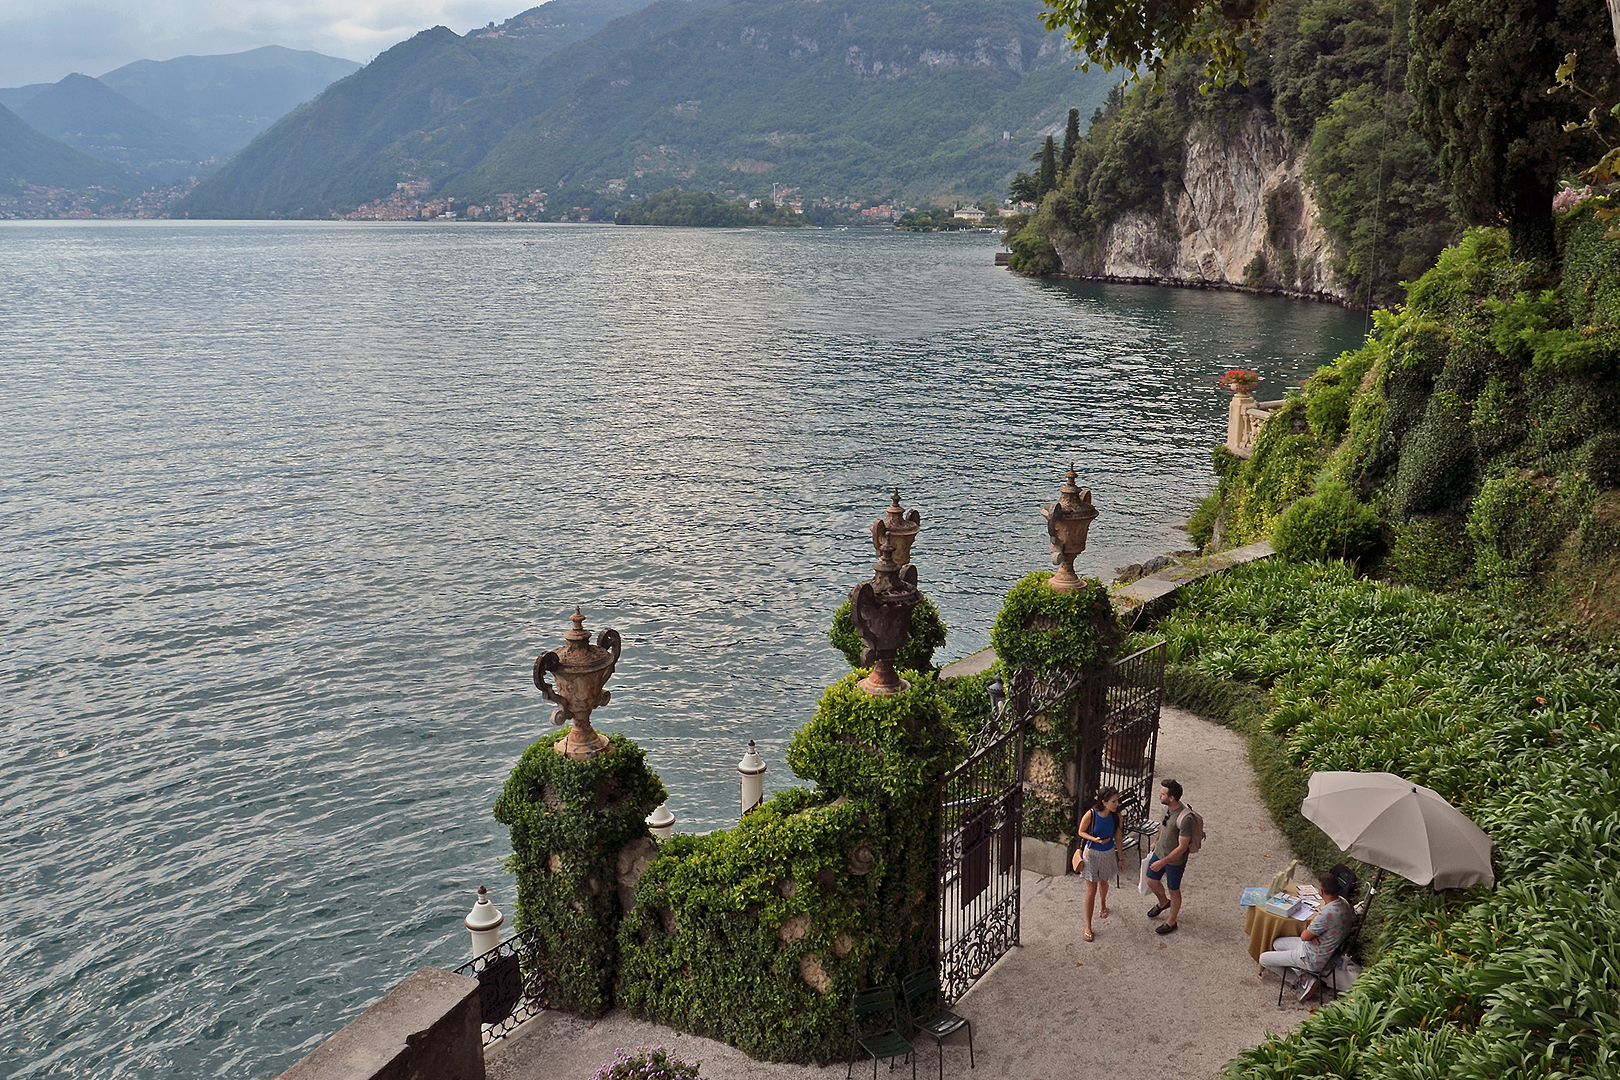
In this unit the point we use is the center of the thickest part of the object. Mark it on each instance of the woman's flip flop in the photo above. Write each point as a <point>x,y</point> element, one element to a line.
<point>1103,914</point>
<point>1087,934</point>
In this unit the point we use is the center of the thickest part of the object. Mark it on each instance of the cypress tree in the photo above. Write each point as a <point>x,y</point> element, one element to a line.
<point>1071,139</point>
<point>1478,79</point>
<point>1047,178</point>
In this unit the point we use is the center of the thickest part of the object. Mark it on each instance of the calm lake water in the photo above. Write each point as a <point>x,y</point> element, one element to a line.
<point>288,510</point>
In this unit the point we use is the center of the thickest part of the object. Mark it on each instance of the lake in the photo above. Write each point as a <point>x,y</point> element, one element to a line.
<point>289,509</point>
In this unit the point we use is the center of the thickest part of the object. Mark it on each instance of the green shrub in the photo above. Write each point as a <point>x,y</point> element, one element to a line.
<point>1032,252</point>
<point>1436,470</point>
<point>1432,553</point>
<point>1599,458</point>
<point>1328,407</point>
<point>862,745</point>
<point>569,822</point>
<point>1515,525</point>
<point>1201,522</point>
<point>1254,273</point>
<point>1329,524</point>
<point>966,700</point>
<point>1049,632</point>
<point>926,635</point>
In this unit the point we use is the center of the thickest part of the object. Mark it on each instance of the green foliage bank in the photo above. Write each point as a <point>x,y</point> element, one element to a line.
<point>1518,727</point>
<point>1473,442</point>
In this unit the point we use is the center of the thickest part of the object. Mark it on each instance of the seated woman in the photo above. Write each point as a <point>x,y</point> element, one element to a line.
<point>1320,937</point>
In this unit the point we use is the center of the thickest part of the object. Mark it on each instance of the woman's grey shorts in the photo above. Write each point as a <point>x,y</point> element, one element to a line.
<point>1101,865</point>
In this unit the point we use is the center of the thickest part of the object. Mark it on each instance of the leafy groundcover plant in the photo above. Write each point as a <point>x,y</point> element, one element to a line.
<point>646,1063</point>
<point>1519,727</point>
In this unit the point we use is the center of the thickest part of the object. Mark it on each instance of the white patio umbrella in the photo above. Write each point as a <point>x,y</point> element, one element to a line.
<point>1395,824</point>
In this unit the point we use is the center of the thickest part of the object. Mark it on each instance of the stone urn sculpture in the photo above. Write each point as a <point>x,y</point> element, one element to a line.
<point>881,608</point>
<point>898,526</point>
<point>1067,522</point>
<point>580,669</point>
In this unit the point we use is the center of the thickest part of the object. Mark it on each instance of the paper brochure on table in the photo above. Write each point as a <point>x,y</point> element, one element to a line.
<point>1253,896</point>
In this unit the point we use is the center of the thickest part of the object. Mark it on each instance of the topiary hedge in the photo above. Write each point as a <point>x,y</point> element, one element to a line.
<point>759,934</point>
<point>1051,634</point>
<point>1048,632</point>
<point>571,821</point>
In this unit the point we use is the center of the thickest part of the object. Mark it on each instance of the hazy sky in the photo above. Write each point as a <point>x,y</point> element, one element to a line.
<point>43,40</point>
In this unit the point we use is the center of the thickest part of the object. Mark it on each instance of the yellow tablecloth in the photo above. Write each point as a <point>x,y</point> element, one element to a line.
<point>1263,928</point>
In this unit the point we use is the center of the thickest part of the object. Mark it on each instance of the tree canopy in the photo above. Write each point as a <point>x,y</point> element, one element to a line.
<point>1144,34</point>
<point>1479,79</point>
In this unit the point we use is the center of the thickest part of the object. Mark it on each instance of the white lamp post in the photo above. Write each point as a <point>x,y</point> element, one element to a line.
<point>661,823</point>
<point>752,770</point>
<point>484,922</point>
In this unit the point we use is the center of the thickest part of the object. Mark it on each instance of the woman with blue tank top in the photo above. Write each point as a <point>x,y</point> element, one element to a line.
<point>1100,857</point>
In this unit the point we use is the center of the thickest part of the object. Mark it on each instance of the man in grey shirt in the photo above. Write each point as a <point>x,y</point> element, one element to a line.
<point>1169,858</point>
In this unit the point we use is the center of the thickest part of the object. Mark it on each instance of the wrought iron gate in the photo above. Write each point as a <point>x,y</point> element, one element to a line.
<point>980,853</point>
<point>509,987</point>
<point>1133,693</point>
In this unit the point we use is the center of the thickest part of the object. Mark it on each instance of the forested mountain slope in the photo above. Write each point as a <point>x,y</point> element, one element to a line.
<point>885,98</point>
<point>88,115</point>
<point>220,102</point>
<point>833,97</point>
<point>31,160</point>
<point>338,150</point>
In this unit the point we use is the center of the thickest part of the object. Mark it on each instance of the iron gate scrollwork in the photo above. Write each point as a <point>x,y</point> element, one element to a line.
<point>1133,691</point>
<point>980,854</point>
<point>509,986</point>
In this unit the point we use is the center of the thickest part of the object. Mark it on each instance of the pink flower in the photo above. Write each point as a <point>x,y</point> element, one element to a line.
<point>1569,197</point>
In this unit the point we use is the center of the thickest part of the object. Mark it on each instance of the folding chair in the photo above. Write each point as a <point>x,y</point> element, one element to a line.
<point>869,1008</point>
<point>920,991</point>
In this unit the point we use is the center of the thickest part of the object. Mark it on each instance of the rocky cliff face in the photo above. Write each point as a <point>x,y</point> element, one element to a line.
<point>1244,219</point>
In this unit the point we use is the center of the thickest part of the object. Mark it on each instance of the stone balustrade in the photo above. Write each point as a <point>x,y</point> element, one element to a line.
<point>1245,417</point>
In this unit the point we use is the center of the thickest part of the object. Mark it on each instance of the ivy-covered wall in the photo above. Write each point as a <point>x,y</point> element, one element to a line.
<point>758,935</point>
<point>1050,634</point>
<point>579,835</point>
<point>755,935</point>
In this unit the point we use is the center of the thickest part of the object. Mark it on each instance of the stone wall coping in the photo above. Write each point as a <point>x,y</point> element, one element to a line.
<point>417,1029</point>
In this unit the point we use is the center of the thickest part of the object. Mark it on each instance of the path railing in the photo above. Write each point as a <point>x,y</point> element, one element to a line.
<point>510,990</point>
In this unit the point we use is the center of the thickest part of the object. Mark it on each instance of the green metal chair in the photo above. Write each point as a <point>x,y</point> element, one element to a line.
<point>920,990</point>
<point>872,1007</point>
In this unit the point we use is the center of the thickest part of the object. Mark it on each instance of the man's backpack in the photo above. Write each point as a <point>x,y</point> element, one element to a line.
<point>1191,826</point>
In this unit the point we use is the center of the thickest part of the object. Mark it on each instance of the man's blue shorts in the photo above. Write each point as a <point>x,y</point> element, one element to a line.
<point>1170,872</point>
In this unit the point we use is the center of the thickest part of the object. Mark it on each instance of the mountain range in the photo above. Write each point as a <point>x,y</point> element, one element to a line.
<point>609,99</point>
<point>868,98</point>
<point>156,121</point>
